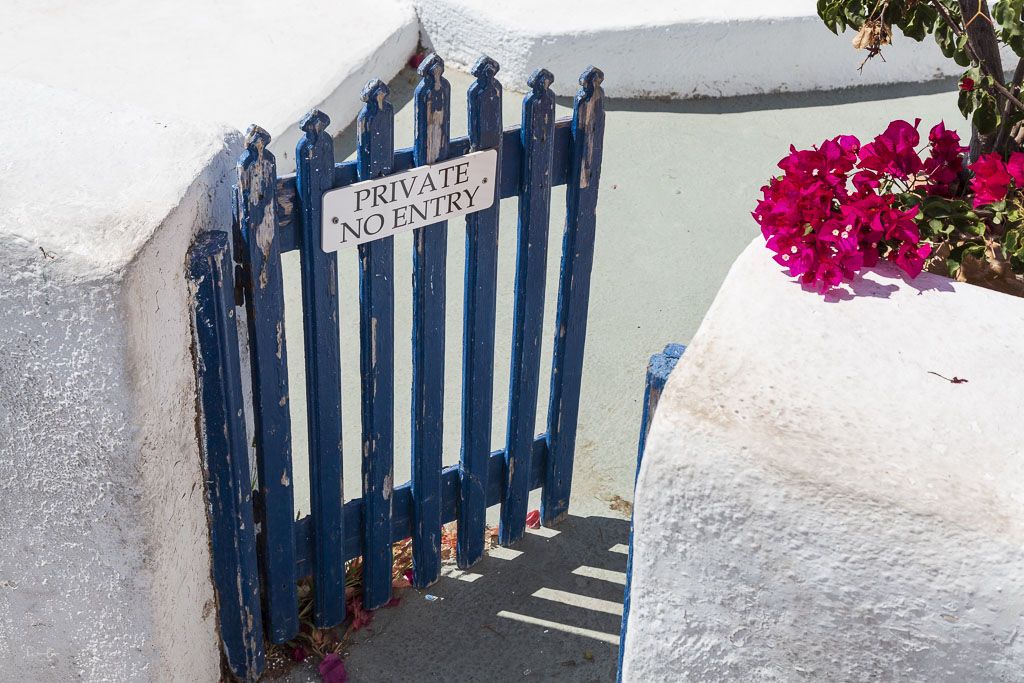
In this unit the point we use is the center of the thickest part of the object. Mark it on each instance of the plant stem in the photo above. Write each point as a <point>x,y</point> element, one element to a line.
<point>1006,131</point>
<point>983,49</point>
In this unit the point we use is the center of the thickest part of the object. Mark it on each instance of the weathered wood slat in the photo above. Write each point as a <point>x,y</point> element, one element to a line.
<point>375,136</point>
<point>264,296</point>
<point>401,520</point>
<point>432,115</point>
<point>275,215</point>
<point>346,173</point>
<point>573,292</point>
<point>478,329</point>
<point>538,132</point>
<point>225,451</point>
<point>314,156</point>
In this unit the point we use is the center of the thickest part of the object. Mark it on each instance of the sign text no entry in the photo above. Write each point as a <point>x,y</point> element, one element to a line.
<point>375,209</point>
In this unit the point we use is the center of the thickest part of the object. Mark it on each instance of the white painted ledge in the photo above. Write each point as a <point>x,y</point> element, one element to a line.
<point>815,504</point>
<point>235,62</point>
<point>665,48</point>
<point>105,570</point>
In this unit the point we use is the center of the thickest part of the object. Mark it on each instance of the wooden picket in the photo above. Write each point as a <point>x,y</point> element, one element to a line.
<point>376,142</point>
<point>314,157</point>
<point>226,454</point>
<point>573,292</point>
<point>260,256</point>
<point>538,135</point>
<point>432,112</point>
<point>274,215</point>
<point>478,329</point>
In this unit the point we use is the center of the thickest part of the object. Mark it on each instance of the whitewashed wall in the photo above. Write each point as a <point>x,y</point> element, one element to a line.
<point>105,571</point>
<point>815,504</point>
<point>112,158</point>
<point>665,48</point>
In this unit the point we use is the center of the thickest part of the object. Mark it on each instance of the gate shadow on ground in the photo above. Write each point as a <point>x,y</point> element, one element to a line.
<point>547,609</point>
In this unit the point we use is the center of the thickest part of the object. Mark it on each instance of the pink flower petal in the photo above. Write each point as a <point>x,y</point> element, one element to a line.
<point>332,669</point>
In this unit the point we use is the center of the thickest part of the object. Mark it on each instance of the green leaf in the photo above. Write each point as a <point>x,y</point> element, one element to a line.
<point>976,228</point>
<point>1011,241</point>
<point>955,259</point>
<point>919,21</point>
<point>974,250</point>
<point>986,116</point>
<point>1009,14</point>
<point>944,37</point>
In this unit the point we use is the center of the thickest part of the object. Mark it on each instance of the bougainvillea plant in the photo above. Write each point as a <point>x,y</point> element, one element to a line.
<point>841,206</point>
<point>966,32</point>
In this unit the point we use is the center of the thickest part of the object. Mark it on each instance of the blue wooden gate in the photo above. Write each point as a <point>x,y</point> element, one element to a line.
<point>259,549</point>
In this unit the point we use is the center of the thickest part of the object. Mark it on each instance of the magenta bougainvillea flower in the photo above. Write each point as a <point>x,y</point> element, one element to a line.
<point>945,163</point>
<point>826,217</point>
<point>991,180</point>
<point>894,152</point>
<point>1015,167</point>
<point>332,669</point>
<point>841,206</point>
<point>911,257</point>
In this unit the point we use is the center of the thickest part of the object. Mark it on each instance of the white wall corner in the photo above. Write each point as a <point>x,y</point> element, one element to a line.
<point>815,503</point>
<point>105,573</point>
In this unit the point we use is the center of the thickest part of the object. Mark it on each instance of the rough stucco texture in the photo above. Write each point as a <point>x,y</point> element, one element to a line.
<point>236,62</point>
<point>105,571</point>
<point>814,505</point>
<point>669,49</point>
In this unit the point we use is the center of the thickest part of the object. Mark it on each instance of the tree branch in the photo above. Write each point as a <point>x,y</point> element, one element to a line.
<point>1006,132</point>
<point>983,49</point>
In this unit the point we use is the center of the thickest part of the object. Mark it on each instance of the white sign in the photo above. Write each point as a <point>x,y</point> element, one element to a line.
<point>375,209</point>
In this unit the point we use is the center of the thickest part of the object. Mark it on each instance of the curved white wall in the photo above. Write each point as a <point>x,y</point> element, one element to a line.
<point>813,503</point>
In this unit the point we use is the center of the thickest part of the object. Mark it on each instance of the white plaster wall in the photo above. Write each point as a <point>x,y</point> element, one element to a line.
<point>659,48</point>
<point>236,61</point>
<point>105,572</point>
<point>813,504</point>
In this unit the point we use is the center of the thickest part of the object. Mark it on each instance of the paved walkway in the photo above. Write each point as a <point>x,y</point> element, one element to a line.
<point>548,610</point>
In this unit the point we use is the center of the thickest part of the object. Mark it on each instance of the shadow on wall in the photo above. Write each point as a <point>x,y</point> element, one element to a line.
<point>548,609</point>
<point>401,89</point>
<point>778,100</point>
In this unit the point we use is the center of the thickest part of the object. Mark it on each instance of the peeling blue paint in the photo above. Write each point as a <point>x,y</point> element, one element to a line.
<point>274,215</point>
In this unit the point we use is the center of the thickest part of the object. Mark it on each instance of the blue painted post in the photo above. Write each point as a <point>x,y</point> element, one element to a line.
<point>538,135</point>
<point>431,110</point>
<point>485,132</point>
<point>225,451</point>
<point>314,156</point>
<point>375,135</point>
<point>658,370</point>
<point>573,293</point>
<point>264,296</point>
